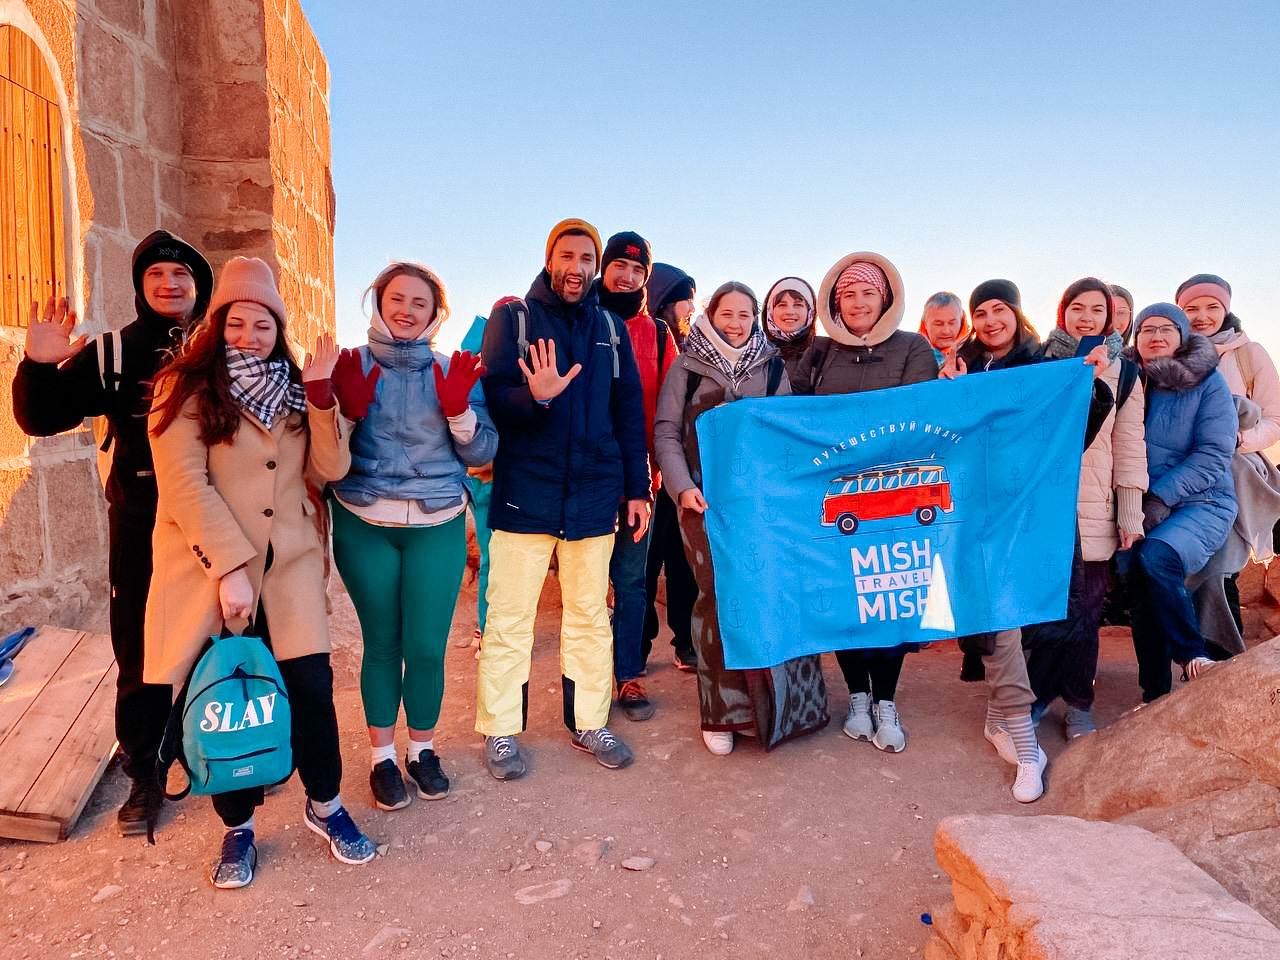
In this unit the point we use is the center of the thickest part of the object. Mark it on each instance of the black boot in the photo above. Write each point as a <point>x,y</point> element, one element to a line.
<point>139,813</point>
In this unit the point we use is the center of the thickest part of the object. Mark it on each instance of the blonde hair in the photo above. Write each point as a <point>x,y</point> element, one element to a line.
<point>408,268</point>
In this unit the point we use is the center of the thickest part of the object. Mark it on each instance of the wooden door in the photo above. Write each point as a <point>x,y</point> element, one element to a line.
<point>32,241</point>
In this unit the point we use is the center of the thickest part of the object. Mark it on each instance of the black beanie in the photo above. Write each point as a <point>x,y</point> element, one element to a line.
<point>1003,290</point>
<point>627,245</point>
<point>163,247</point>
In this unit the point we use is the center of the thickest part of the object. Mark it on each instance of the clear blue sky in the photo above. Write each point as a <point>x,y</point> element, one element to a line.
<point>1042,143</point>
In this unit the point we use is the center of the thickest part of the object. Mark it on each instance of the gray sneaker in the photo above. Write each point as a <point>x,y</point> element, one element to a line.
<point>502,754</point>
<point>1078,722</point>
<point>609,751</point>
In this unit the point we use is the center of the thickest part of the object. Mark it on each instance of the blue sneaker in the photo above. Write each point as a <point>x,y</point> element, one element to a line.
<point>346,842</point>
<point>237,861</point>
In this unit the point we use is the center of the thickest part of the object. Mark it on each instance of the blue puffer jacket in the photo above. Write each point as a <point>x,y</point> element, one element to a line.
<point>403,449</point>
<point>563,469</point>
<point>1191,437</point>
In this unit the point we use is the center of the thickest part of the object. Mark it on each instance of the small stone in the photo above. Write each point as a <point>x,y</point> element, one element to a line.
<point>543,891</point>
<point>639,863</point>
<point>382,849</point>
<point>803,900</point>
<point>542,846</point>
<point>106,893</point>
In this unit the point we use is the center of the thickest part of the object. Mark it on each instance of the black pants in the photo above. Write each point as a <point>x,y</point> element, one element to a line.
<point>1063,655</point>
<point>142,709</point>
<point>871,671</point>
<point>666,549</point>
<point>309,682</point>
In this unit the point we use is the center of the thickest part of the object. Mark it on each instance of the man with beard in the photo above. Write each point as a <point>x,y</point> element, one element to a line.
<point>58,384</point>
<point>564,392</point>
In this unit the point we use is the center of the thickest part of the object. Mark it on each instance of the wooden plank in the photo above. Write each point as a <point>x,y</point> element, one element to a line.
<point>39,660</point>
<point>40,207</point>
<point>30,746</point>
<point>5,40</point>
<point>57,231</point>
<point>12,310</point>
<point>64,787</point>
<point>21,218</point>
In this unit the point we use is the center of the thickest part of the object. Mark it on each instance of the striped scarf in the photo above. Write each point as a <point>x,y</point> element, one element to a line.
<point>706,343</point>
<point>262,387</point>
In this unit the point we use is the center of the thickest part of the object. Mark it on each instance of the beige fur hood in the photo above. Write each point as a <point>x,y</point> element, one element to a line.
<point>887,323</point>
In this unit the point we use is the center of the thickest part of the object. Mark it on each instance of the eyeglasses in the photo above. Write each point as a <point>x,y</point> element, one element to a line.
<point>1165,330</point>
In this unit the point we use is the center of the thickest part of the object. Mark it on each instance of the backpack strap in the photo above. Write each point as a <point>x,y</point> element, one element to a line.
<point>695,380</point>
<point>660,326</point>
<point>776,369</point>
<point>522,324</point>
<point>1244,363</point>
<point>613,341</point>
<point>110,360</point>
<point>1124,386</point>
<point>821,351</point>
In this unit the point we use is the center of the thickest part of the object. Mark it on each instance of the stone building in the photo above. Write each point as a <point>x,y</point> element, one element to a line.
<point>208,118</point>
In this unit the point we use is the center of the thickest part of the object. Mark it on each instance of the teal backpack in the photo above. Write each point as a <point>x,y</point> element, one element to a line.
<point>231,726</point>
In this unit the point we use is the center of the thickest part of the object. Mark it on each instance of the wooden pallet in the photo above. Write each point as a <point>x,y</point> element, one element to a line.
<point>57,732</point>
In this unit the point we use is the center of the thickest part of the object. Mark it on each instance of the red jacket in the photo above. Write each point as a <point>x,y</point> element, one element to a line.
<point>644,343</point>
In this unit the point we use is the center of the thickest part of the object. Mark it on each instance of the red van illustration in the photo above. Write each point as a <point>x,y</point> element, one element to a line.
<point>918,487</point>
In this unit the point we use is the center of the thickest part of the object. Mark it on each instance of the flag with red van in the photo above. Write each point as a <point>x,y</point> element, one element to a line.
<point>869,520</point>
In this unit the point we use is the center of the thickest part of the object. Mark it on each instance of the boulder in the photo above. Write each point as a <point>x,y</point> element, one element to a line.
<point>1033,888</point>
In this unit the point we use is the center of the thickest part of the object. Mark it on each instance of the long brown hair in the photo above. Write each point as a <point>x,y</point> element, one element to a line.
<point>200,370</point>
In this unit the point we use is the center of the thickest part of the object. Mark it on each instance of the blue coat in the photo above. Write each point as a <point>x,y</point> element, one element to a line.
<point>1191,436</point>
<point>403,449</point>
<point>564,468</point>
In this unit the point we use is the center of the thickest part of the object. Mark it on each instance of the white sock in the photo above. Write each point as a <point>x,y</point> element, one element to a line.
<point>1024,736</point>
<point>247,825</point>
<point>995,717</point>
<point>378,754</point>
<point>327,809</point>
<point>417,746</point>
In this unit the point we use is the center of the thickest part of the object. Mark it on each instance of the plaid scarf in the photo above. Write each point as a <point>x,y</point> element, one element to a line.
<point>706,343</point>
<point>263,387</point>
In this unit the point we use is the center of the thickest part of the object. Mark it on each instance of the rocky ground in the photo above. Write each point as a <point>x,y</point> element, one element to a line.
<point>820,849</point>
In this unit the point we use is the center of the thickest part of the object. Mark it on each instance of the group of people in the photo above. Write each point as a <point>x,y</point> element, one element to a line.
<point>238,471</point>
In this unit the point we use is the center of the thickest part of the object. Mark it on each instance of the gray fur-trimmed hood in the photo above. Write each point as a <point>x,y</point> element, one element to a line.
<point>1185,370</point>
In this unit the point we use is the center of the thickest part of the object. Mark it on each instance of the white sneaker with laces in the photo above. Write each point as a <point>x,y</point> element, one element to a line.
<point>1002,740</point>
<point>1029,784</point>
<point>889,733</point>
<point>858,724</point>
<point>719,742</point>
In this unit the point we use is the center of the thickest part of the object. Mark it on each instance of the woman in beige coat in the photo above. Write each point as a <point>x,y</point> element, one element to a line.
<point>1063,655</point>
<point>240,447</point>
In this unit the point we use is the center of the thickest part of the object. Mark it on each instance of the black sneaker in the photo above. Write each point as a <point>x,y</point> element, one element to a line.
<point>686,659</point>
<point>425,772</point>
<point>388,786</point>
<point>237,861</point>
<point>141,808</point>
<point>633,700</point>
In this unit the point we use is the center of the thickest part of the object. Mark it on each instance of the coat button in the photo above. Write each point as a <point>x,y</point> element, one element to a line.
<point>195,548</point>
<point>268,512</point>
<point>271,464</point>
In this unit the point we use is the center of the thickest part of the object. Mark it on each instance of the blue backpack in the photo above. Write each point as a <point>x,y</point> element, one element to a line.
<point>233,718</point>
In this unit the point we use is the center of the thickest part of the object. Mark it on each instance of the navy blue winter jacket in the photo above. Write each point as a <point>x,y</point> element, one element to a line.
<point>563,469</point>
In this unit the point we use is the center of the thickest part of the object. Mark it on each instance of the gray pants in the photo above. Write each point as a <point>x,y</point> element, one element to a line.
<point>1007,674</point>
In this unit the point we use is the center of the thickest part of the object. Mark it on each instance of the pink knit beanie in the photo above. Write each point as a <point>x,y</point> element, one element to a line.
<point>248,279</point>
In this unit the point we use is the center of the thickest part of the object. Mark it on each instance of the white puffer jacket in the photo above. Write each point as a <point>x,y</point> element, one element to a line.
<point>1255,378</point>
<point>1116,458</point>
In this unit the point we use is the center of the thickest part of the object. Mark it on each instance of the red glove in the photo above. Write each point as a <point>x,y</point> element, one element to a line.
<point>454,388</point>
<point>354,388</point>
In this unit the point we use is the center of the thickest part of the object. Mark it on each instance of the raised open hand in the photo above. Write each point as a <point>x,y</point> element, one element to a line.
<point>544,378</point>
<point>49,336</point>
<point>354,388</point>
<point>319,363</point>
<point>454,388</point>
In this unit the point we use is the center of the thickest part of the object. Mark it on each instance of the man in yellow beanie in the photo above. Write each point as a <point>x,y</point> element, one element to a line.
<point>564,392</point>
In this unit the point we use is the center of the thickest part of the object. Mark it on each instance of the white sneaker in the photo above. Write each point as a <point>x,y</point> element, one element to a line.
<point>1198,666</point>
<point>858,723</point>
<point>1002,740</point>
<point>1029,785</point>
<point>719,742</point>
<point>889,733</point>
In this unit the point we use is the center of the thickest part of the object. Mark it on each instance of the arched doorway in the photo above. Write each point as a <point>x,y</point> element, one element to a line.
<point>32,237</point>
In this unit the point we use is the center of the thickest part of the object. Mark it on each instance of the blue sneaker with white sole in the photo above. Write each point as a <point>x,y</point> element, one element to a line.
<point>347,842</point>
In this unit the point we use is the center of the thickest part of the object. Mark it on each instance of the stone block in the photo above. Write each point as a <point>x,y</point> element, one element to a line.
<point>172,182</point>
<point>125,15</point>
<point>254,196</point>
<point>1252,583</point>
<point>166,45</point>
<point>103,171</point>
<point>938,949</point>
<point>1067,888</point>
<point>13,442</point>
<point>1271,582</point>
<point>21,527</point>
<point>238,32</point>
<point>162,109</point>
<point>226,121</point>
<point>74,497</point>
<point>138,180</point>
<point>1210,735</point>
<point>108,83</point>
<point>114,289</point>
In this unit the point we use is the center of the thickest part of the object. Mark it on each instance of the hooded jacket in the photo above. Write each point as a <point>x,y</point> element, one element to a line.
<point>792,351</point>
<point>562,467</point>
<point>1191,425</point>
<point>663,281</point>
<point>846,363</point>
<point>1263,386</point>
<point>50,398</point>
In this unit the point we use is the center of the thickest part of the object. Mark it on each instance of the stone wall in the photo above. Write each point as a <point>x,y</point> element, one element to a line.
<point>208,118</point>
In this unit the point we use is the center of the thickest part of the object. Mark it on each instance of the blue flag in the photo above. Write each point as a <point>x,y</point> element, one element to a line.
<point>868,520</point>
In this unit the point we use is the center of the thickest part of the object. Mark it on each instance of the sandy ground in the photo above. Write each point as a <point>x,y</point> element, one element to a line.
<point>820,849</point>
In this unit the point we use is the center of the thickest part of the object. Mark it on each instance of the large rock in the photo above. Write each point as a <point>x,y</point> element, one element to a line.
<point>1033,888</point>
<point>1217,733</point>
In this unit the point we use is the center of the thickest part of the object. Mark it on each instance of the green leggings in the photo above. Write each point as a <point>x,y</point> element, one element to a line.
<point>404,582</point>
